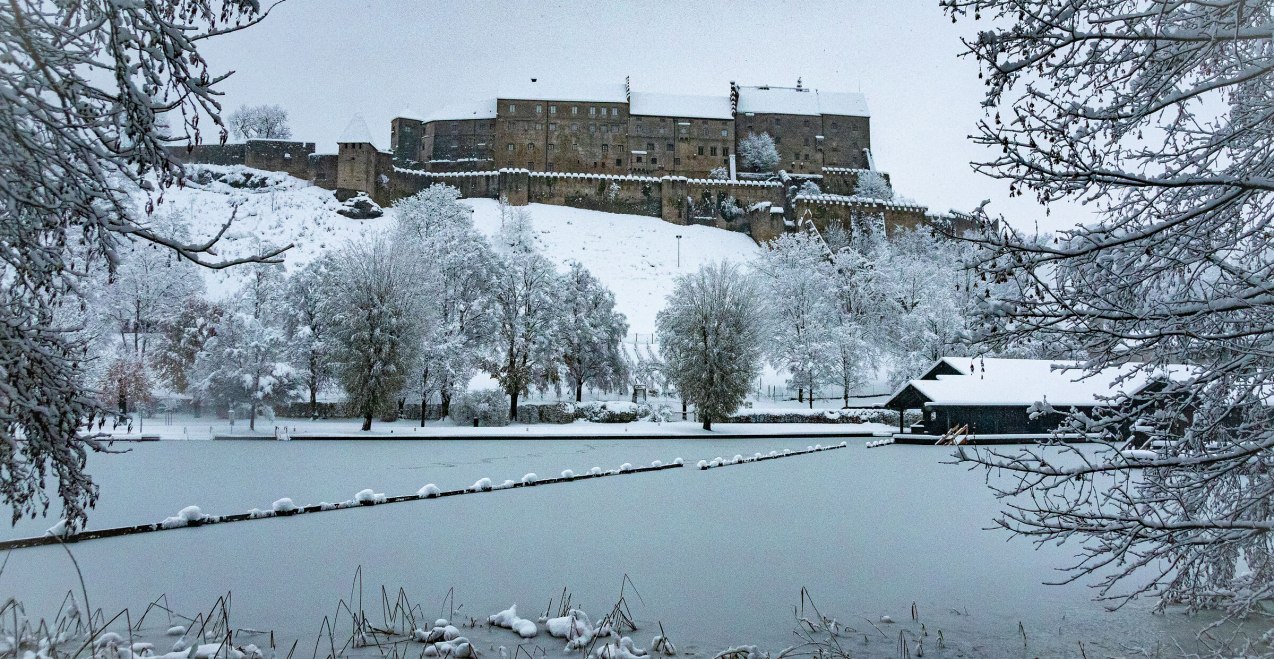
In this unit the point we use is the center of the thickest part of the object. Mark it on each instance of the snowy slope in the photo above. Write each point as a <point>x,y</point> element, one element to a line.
<point>286,211</point>
<point>634,256</point>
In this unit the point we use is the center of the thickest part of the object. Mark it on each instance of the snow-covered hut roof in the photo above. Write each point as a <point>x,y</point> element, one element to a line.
<point>680,105</point>
<point>790,100</point>
<point>544,90</point>
<point>990,381</point>
<point>356,132</point>
<point>471,109</point>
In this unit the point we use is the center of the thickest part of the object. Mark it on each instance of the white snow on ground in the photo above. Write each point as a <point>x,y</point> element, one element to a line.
<point>634,256</point>
<point>287,211</point>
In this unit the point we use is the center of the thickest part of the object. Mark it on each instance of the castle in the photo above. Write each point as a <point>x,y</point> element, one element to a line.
<point>610,148</point>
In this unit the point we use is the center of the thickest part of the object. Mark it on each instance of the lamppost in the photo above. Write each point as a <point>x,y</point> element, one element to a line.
<point>678,250</point>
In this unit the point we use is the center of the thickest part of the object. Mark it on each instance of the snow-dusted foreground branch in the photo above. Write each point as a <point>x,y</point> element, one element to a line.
<point>192,516</point>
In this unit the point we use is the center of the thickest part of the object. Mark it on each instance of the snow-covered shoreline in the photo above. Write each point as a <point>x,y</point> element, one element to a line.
<point>343,429</point>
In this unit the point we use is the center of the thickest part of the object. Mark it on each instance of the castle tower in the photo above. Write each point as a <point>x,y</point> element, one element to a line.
<point>356,159</point>
<point>406,132</point>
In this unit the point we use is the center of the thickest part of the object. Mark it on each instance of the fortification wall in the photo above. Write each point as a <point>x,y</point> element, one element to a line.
<point>407,182</point>
<point>280,156</point>
<point>825,210</point>
<point>634,195</point>
<point>209,154</point>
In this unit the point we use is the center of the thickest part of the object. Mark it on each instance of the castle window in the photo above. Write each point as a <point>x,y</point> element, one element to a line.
<point>592,112</point>
<point>654,161</point>
<point>510,147</point>
<point>650,146</point>
<point>575,128</point>
<point>676,161</point>
<point>605,148</point>
<point>619,162</point>
<point>539,109</point>
<point>807,141</point>
<point>552,126</point>
<point>513,108</point>
<point>700,150</point>
<point>552,109</point>
<point>574,109</point>
<point>725,133</point>
<point>638,159</point>
<point>712,151</point>
<point>725,151</point>
<point>530,146</point>
<point>614,112</point>
<point>668,147</point>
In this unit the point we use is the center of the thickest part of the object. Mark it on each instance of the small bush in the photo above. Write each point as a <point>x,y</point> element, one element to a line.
<point>489,406</point>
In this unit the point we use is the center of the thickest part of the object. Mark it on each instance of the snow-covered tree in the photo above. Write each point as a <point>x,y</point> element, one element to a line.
<point>245,365</point>
<point>589,332</point>
<point>377,324</point>
<point>873,184</point>
<point>1158,115</point>
<point>729,209</point>
<point>457,265</point>
<point>246,361</point>
<point>710,336</point>
<point>182,336</point>
<point>85,85</point>
<point>798,282</point>
<point>523,351</point>
<point>719,173</point>
<point>758,153</point>
<point>308,324</point>
<point>809,188</point>
<point>148,283</point>
<point>260,121</point>
<point>126,384</point>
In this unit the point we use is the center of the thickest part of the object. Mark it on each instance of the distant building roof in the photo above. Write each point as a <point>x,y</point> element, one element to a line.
<point>356,132</point>
<point>471,109</point>
<point>680,105</point>
<point>543,90</point>
<point>790,100</point>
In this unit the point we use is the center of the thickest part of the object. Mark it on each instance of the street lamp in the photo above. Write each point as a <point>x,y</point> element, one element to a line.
<point>678,250</point>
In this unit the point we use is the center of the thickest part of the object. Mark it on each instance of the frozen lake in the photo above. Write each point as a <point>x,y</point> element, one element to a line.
<point>719,556</point>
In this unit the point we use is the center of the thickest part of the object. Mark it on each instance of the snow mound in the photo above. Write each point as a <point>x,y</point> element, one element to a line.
<point>429,490</point>
<point>368,497</point>
<point>509,619</point>
<point>283,505</point>
<point>482,485</point>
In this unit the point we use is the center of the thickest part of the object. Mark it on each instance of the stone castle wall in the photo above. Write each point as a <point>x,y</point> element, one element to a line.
<point>759,209</point>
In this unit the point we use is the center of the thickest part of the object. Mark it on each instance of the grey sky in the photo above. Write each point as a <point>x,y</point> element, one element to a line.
<point>325,60</point>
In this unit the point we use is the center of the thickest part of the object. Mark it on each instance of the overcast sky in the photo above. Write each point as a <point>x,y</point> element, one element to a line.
<point>325,60</point>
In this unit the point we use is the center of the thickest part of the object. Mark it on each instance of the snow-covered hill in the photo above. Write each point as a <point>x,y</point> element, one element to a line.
<point>635,256</point>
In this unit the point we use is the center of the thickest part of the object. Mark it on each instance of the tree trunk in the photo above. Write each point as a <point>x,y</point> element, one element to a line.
<point>424,398</point>
<point>683,410</point>
<point>252,416</point>
<point>707,423</point>
<point>198,405</point>
<point>313,402</point>
<point>579,391</point>
<point>444,407</point>
<point>800,394</point>
<point>367,420</point>
<point>513,407</point>
<point>846,394</point>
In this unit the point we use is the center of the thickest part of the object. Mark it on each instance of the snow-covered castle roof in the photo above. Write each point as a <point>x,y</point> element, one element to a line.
<point>356,132</point>
<point>792,100</point>
<point>680,105</point>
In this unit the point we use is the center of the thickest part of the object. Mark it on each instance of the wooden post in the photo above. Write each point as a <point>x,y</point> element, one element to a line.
<point>901,429</point>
